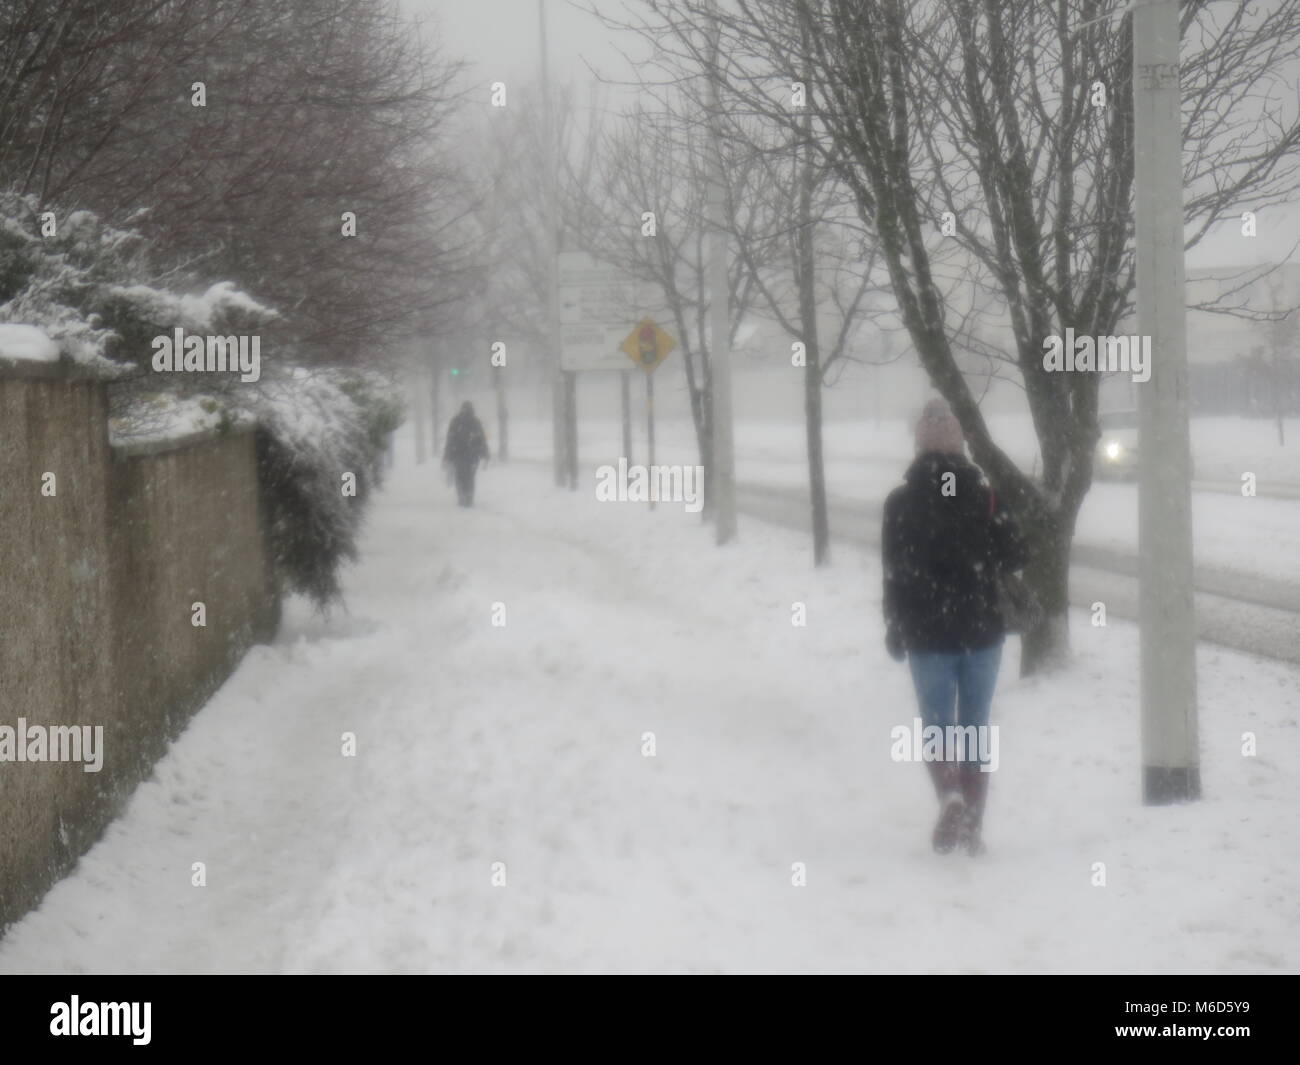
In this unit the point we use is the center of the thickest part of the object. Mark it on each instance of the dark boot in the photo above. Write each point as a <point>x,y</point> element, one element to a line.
<point>975,790</point>
<point>947,785</point>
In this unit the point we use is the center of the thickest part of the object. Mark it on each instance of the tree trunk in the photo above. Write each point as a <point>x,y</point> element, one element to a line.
<point>503,423</point>
<point>559,438</point>
<point>701,407</point>
<point>571,428</point>
<point>417,406</point>
<point>435,398</point>
<point>812,406</point>
<point>704,441</point>
<point>701,414</point>
<point>811,364</point>
<point>1278,393</point>
<point>1047,644</point>
<point>812,373</point>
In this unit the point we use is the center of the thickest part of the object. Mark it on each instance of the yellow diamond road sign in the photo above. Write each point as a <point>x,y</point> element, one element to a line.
<point>647,345</point>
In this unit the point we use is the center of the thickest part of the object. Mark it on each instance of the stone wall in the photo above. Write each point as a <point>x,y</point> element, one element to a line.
<point>99,569</point>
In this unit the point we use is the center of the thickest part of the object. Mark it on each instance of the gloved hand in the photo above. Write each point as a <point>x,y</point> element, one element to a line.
<point>894,643</point>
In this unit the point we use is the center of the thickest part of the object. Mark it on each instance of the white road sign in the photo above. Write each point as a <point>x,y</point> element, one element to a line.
<point>598,305</point>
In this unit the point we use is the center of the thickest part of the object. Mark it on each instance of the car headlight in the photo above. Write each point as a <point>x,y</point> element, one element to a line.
<point>1114,450</point>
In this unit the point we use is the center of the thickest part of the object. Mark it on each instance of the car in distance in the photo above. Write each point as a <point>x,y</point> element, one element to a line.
<point>1117,447</point>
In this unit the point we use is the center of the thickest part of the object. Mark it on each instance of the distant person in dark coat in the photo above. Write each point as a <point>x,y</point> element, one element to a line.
<point>466,448</point>
<point>945,539</point>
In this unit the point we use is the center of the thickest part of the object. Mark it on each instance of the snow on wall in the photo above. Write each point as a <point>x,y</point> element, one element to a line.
<point>27,343</point>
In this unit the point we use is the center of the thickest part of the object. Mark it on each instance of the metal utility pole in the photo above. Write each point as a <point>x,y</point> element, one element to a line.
<point>650,423</point>
<point>559,436</point>
<point>722,478</point>
<point>1170,758</point>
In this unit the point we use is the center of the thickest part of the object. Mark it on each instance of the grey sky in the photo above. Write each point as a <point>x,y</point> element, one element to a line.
<point>499,39</point>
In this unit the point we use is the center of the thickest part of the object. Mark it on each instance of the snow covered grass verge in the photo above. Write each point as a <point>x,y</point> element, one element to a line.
<point>1258,536</point>
<point>523,744</point>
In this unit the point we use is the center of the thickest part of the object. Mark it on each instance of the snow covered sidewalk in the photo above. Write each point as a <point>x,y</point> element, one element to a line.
<point>523,744</point>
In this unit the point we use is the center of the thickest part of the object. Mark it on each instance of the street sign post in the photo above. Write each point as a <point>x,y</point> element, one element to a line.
<point>596,302</point>
<point>647,346</point>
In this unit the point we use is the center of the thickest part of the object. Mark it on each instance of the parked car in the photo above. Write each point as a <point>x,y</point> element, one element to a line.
<point>1117,454</point>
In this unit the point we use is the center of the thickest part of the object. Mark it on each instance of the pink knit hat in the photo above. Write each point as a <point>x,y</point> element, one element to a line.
<point>938,429</point>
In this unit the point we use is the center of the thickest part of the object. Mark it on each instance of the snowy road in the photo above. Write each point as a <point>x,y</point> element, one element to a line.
<point>1241,611</point>
<point>524,744</point>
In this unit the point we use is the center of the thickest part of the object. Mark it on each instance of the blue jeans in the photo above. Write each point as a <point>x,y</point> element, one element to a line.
<point>955,688</point>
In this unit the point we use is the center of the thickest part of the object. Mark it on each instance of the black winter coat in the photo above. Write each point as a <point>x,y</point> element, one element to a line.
<point>466,441</point>
<point>941,555</point>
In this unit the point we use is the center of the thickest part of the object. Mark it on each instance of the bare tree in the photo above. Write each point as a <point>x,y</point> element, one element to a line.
<point>1016,118</point>
<point>805,255</point>
<point>238,135</point>
<point>509,212</point>
<point>1282,332</point>
<point>656,162</point>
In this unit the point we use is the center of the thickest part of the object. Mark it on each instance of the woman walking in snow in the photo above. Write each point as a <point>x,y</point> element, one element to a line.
<point>944,541</point>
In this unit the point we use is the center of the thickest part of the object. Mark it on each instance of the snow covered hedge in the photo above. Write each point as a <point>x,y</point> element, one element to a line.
<point>93,291</point>
<point>321,437</point>
<point>75,289</point>
<point>53,272</point>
